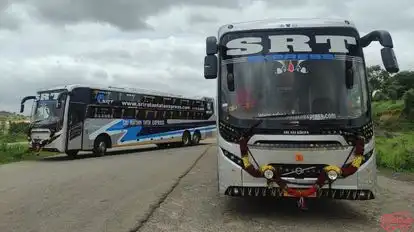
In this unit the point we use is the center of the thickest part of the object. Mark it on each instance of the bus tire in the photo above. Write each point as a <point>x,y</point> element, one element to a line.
<point>186,139</point>
<point>101,145</point>
<point>72,153</point>
<point>196,138</point>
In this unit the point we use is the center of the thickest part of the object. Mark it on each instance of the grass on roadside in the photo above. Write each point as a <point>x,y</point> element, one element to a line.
<point>18,152</point>
<point>396,153</point>
<point>395,150</point>
<point>388,116</point>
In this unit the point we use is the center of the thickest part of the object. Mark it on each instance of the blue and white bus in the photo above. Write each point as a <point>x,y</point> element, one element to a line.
<point>77,118</point>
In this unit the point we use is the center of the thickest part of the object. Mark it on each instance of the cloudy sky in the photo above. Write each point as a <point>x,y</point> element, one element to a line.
<point>157,44</point>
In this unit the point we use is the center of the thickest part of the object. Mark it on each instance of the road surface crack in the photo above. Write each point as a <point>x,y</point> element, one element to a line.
<point>155,206</point>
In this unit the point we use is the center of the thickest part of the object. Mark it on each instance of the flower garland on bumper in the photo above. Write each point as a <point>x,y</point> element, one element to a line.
<point>343,172</point>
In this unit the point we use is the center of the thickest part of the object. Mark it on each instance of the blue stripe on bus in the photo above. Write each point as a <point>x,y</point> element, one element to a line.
<point>290,56</point>
<point>132,132</point>
<point>179,132</point>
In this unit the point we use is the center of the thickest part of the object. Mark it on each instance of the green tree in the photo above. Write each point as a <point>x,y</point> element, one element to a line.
<point>409,104</point>
<point>377,78</point>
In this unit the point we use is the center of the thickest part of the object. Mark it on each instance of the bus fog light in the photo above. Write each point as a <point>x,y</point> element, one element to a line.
<point>268,174</point>
<point>332,175</point>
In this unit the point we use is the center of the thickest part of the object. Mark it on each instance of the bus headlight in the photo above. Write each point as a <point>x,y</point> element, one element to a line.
<point>268,171</point>
<point>332,174</point>
<point>268,174</point>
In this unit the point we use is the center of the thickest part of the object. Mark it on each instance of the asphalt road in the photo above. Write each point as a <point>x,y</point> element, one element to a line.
<point>166,190</point>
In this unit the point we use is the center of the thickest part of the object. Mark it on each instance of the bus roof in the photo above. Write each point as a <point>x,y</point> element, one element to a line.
<point>285,23</point>
<point>125,90</point>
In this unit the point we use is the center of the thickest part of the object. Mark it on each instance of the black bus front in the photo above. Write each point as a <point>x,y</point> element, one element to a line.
<point>47,120</point>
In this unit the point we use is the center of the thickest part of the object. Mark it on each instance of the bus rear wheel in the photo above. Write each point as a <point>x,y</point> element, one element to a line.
<point>186,140</point>
<point>196,138</point>
<point>100,146</point>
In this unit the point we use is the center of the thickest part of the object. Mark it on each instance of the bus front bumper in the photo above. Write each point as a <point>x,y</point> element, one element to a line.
<point>234,181</point>
<point>340,194</point>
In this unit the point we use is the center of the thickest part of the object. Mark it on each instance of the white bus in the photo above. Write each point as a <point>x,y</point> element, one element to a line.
<point>77,118</point>
<point>294,109</point>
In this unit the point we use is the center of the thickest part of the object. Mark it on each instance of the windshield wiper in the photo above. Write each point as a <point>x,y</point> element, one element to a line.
<point>36,121</point>
<point>248,131</point>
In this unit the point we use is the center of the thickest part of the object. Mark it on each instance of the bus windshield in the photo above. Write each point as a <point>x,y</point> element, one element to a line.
<point>45,111</point>
<point>290,86</point>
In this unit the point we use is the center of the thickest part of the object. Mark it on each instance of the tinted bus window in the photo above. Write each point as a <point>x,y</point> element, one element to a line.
<point>81,95</point>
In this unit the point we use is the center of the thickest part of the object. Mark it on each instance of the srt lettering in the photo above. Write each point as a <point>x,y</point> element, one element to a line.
<point>281,43</point>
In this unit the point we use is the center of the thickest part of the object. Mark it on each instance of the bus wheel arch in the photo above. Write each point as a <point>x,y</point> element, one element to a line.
<point>186,138</point>
<point>196,137</point>
<point>101,144</point>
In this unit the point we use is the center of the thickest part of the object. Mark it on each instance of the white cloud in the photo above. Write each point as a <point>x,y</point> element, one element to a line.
<point>41,47</point>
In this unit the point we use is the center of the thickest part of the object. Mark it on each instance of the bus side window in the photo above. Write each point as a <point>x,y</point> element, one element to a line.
<point>129,113</point>
<point>167,101</point>
<point>76,113</point>
<point>160,115</point>
<point>140,114</point>
<point>159,100</point>
<point>91,112</point>
<point>117,112</point>
<point>149,115</point>
<point>175,114</point>
<point>103,112</point>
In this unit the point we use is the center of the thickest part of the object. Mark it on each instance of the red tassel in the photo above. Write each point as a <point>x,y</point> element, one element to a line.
<point>359,147</point>
<point>348,171</point>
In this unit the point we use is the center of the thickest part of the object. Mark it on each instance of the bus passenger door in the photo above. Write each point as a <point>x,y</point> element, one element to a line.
<point>75,126</point>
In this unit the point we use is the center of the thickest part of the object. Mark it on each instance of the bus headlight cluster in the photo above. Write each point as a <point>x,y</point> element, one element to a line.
<point>332,174</point>
<point>268,174</point>
<point>268,171</point>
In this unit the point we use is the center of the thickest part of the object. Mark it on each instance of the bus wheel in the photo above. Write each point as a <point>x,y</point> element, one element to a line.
<point>186,140</point>
<point>72,153</point>
<point>100,146</point>
<point>196,138</point>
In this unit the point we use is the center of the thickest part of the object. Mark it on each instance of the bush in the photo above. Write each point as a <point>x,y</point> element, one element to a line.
<point>11,153</point>
<point>389,116</point>
<point>19,128</point>
<point>396,153</point>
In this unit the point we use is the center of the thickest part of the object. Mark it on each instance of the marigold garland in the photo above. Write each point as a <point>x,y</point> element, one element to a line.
<point>321,180</point>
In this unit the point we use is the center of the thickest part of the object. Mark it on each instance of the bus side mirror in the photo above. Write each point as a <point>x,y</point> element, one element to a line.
<point>387,53</point>
<point>210,67</point>
<point>211,45</point>
<point>383,37</point>
<point>389,60</point>
<point>24,100</point>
